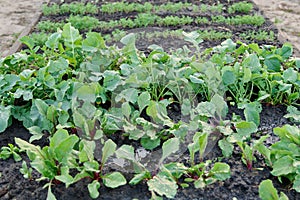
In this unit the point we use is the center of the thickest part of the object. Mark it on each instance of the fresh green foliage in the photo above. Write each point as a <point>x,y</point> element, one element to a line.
<point>285,155</point>
<point>66,152</point>
<point>11,150</point>
<point>240,7</point>
<point>256,20</point>
<point>268,192</point>
<point>200,176</point>
<point>293,114</point>
<point>77,91</point>
<point>72,8</point>
<point>259,35</point>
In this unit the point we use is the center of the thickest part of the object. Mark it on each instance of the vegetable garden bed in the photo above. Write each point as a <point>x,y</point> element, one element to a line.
<point>214,119</point>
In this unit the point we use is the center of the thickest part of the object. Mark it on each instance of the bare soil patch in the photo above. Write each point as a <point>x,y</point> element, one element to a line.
<point>15,16</point>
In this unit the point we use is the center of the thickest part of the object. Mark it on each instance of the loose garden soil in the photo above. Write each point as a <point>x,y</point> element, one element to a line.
<point>243,183</point>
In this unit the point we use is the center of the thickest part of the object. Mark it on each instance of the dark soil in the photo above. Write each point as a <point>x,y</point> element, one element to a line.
<point>243,183</point>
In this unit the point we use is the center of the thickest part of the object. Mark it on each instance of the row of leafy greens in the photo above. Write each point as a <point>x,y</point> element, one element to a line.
<point>79,93</point>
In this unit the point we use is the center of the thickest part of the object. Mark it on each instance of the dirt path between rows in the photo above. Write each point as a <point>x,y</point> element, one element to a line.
<point>15,16</point>
<point>285,14</point>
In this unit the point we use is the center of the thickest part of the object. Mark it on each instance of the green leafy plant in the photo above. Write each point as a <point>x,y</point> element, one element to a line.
<point>10,150</point>
<point>268,192</point>
<point>55,161</point>
<point>240,7</point>
<point>285,155</point>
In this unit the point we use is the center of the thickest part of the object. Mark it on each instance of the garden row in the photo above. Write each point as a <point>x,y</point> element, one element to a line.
<point>107,115</point>
<point>84,97</point>
<point>114,20</point>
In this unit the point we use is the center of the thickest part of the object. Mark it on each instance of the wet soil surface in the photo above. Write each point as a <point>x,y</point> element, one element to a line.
<point>243,183</point>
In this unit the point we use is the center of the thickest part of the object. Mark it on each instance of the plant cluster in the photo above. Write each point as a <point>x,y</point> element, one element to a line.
<point>255,20</point>
<point>88,23</point>
<point>240,7</point>
<point>148,14</point>
<point>72,8</point>
<point>79,92</point>
<point>126,7</point>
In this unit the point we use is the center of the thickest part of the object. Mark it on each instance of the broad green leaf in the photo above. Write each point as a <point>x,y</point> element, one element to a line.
<point>5,113</point>
<point>26,74</point>
<point>65,147</point>
<point>86,150</point>
<point>126,109</point>
<point>192,37</point>
<point>149,143</point>
<point>169,147</point>
<point>128,39</point>
<point>114,180</point>
<point>288,133</point>
<point>252,111</point>
<point>283,196</point>
<point>267,191</point>
<point>220,171</point>
<point>130,95</point>
<point>58,66</point>
<point>70,35</point>
<point>206,109</point>
<point>285,51</point>
<point>296,183</point>
<point>50,195</point>
<point>108,150</point>
<point>36,132</point>
<point>283,166</point>
<point>27,94</point>
<point>93,42</point>
<point>203,141</point>
<point>247,75</point>
<point>86,93</point>
<point>93,189</point>
<point>126,152</point>
<point>297,63</point>
<point>59,136</point>
<point>199,183</point>
<point>176,169</point>
<point>186,107</point>
<point>220,105</point>
<point>65,177</point>
<point>111,80</point>
<point>139,177</point>
<point>245,129</point>
<point>31,149</point>
<point>92,166</point>
<point>228,77</point>
<point>88,109</point>
<point>158,112</point>
<point>163,186</point>
<point>143,100</point>
<point>41,106</point>
<point>52,114</point>
<point>129,48</point>
<point>28,41</point>
<point>53,40</point>
<point>290,75</point>
<point>195,79</point>
<point>226,147</point>
<point>252,62</point>
<point>273,63</point>
<point>79,120</point>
